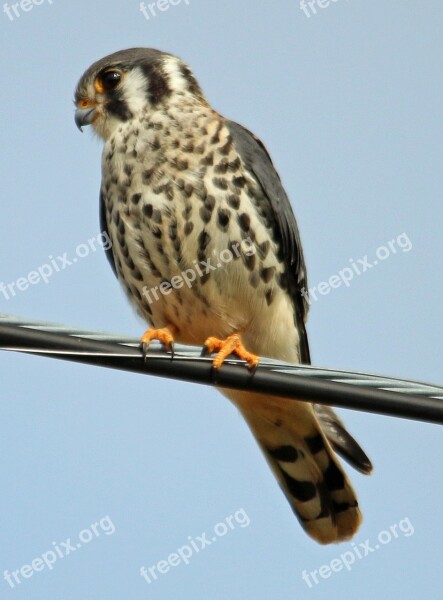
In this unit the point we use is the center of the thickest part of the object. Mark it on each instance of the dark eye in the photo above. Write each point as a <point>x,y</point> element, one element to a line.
<point>109,80</point>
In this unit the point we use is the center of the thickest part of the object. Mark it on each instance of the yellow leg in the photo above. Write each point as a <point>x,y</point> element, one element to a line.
<point>231,345</point>
<point>164,335</point>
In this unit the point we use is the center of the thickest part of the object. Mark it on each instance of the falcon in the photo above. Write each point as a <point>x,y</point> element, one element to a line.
<point>207,248</point>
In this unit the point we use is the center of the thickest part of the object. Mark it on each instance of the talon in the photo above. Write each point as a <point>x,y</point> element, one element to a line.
<point>205,352</point>
<point>253,368</point>
<point>144,348</point>
<point>164,335</point>
<point>231,345</point>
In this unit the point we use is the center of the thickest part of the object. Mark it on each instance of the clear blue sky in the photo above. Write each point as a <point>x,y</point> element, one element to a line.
<point>349,103</point>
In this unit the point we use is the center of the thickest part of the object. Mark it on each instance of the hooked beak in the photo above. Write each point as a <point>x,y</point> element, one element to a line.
<point>84,116</point>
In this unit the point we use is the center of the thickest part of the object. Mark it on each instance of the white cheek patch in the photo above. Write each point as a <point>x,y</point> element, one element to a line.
<point>171,67</point>
<point>135,92</point>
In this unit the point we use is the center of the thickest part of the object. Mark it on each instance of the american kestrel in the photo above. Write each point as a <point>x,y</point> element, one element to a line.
<point>207,247</point>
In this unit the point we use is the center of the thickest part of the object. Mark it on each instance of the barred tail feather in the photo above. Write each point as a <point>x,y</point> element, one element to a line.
<point>304,464</point>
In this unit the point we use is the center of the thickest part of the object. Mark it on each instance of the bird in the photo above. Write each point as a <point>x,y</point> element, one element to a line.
<point>205,243</point>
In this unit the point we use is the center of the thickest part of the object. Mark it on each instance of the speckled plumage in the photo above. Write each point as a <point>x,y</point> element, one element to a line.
<point>184,188</point>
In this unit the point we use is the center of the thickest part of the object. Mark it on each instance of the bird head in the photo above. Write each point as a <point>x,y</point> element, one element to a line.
<point>127,83</point>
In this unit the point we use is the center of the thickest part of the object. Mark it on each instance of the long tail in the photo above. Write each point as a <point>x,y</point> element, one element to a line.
<point>304,464</point>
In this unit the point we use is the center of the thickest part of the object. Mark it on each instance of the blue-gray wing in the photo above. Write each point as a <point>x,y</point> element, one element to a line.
<point>104,229</point>
<point>284,225</point>
<point>285,229</point>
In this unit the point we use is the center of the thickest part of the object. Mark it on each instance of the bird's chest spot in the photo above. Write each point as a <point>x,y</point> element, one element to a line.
<point>175,219</point>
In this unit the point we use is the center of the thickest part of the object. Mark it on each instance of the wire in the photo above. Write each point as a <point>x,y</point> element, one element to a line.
<point>356,391</point>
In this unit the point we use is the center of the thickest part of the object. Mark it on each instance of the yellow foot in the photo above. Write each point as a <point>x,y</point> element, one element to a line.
<point>164,335</point>
<point>231,345</point>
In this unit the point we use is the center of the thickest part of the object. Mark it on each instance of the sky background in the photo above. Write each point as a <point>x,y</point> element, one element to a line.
<point>349,103</point>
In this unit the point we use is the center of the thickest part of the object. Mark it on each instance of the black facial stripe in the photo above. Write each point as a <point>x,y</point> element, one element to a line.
<point>117,106</point>
<point>158,88</point>
<point>193,86</point>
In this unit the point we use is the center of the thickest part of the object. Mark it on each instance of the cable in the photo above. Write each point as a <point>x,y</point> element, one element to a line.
<point>356,391</point>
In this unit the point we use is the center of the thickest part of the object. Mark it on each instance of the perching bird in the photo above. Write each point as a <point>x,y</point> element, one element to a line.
<point>206,245</point>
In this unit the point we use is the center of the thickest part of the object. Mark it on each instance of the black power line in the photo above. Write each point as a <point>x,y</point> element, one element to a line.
<point>356,391</point>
